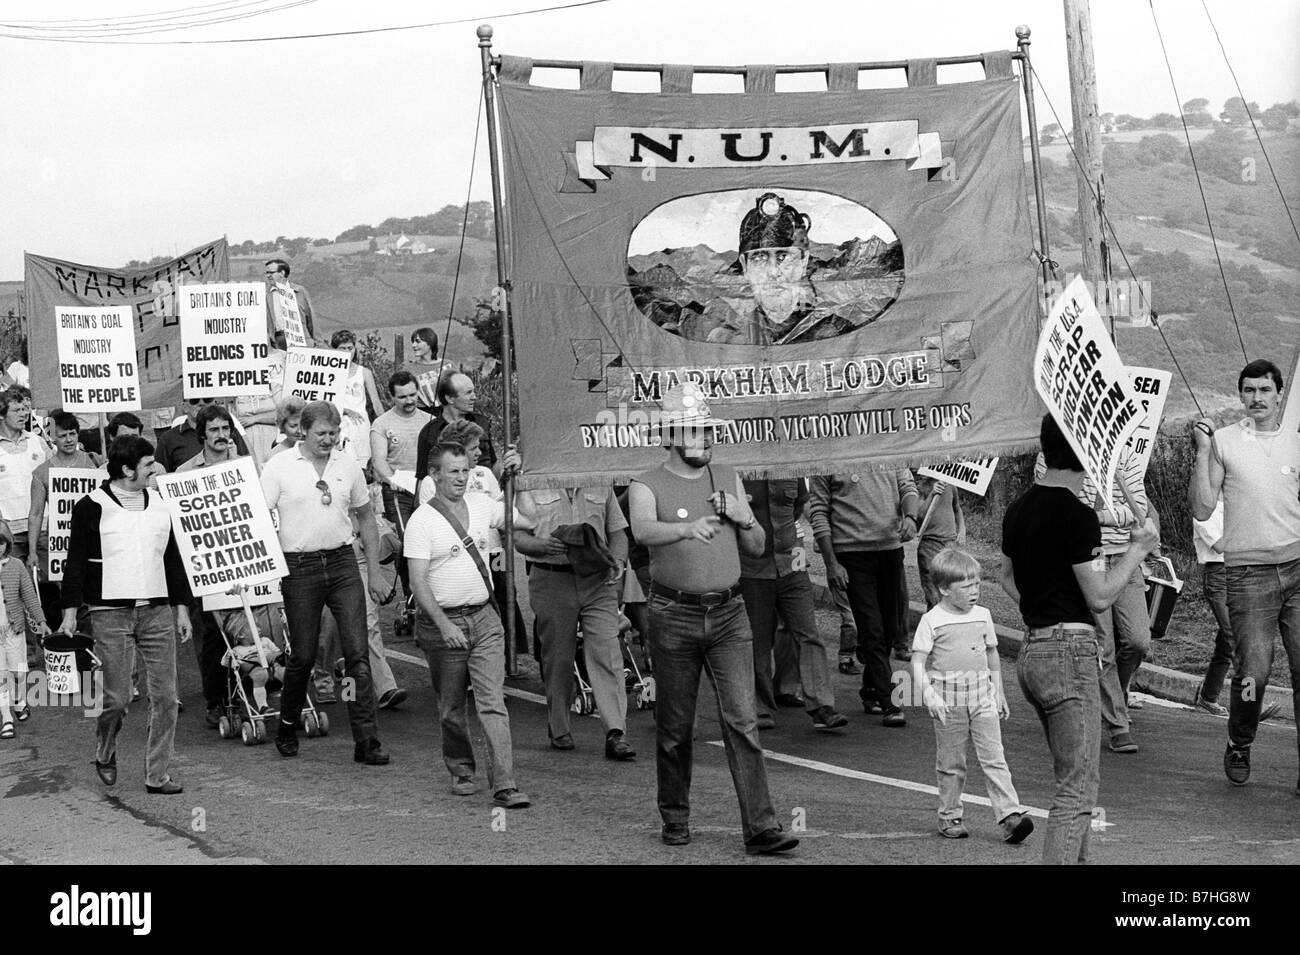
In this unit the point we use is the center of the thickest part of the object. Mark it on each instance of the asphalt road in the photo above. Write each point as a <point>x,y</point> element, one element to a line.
<point>861,795</point>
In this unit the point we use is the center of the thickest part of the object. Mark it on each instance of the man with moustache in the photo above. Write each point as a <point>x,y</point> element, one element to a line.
<point>694,518</point>
<point>1255,465</point>
<point>215,428</point>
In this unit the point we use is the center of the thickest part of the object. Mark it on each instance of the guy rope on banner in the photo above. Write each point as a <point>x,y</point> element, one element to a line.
<point>1124,255</point>
<point>1209,221</point>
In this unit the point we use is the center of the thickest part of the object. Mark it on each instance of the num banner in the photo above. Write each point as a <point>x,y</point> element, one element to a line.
<point>847,274</point>
<point>150,294</point>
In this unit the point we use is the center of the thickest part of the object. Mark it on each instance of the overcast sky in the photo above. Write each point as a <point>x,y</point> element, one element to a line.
<point>111,153</point>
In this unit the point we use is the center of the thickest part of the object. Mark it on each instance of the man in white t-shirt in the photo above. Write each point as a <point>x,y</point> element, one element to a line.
<point>1255,466</point>
<point>458,626</point>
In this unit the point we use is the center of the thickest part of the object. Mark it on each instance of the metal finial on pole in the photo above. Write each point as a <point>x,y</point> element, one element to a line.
<point>1026,75</point>
<point>484,32</point>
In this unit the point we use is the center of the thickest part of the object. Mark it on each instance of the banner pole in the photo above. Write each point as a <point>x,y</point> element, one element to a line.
<point>1027,81</point>
<point>507,364</point>
<point>103,441</point>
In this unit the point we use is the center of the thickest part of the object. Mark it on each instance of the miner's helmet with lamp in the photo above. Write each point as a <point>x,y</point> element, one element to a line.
<point>773,233</point>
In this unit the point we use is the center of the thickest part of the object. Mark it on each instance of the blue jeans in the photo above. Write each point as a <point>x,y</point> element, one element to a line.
<point>483,665</point>
<point>121,634</point>
<point>789,597</point>
<point>715,640</point>
<point>320,579</point>
<point>972,720</point>
<point>1216,595</point>
<point>1058,672</point>
<point>1262,599</point>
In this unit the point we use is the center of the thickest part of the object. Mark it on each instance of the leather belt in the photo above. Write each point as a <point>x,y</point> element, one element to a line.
<point>1060,630</point>
<point>554,568</point>
<point>715,598</point>
<point>464,610</point>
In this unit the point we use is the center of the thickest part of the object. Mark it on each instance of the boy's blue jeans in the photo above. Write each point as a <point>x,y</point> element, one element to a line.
<point>972,718</point>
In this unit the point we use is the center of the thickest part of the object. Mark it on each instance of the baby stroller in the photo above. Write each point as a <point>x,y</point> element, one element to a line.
<point>639,679</point>
<point>584,698</point>
<point>240,715</point>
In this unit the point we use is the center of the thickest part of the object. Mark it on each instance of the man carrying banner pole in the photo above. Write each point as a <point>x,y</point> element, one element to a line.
<point>124,565</point>
<point>315,486</point>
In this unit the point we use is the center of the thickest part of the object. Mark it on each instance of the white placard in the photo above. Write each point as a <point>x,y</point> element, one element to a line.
<point>223,340</point>
<point>223,526</point>
<point>61,672</point>
<point>973,476</point>
<point>1080,377</point>
<point>316,374</point>
<point>65,488</point>
<point>258,595</point>
<point>288,315</point>
<point>97,363</point>
<point>1151,387</point>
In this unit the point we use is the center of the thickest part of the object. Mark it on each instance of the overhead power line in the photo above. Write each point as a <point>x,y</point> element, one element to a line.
<point>300,36</point>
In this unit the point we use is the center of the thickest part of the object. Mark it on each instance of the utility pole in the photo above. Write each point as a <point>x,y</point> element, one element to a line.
<point>1087,145</point>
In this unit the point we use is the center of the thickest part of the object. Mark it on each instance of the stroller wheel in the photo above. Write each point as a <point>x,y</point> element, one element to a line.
<point>224,728</point>
<point>248,734</point>
<point>310,725</point>
<point>323,724</point>
<point>259,731</point>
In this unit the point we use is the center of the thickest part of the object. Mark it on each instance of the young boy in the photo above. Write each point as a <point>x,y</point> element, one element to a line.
<point>942,525</point>
<point>19,602</point>
<point>956,642</point>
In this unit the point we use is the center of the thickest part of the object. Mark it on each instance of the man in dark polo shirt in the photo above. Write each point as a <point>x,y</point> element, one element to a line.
<point>775,584</point>
<point>183,441</point>
<point>1052,565</point>
<point>693,517</point>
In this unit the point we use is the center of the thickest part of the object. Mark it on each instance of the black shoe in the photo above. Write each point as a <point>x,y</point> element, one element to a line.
<point>169,788</point>
<point>1236,764</point>
<point>107,771</point>
<point>510,799</point>
<point>370,752</point>
<point>286,739</point>
<point>392,698</point>
<point>872,708</point>
<point>617,747</point>
<point>849,666</point>
<point>676,834</point>
<point>894,718</point>
<point>825,718</point>
<point>562,742</point>
<point>213,716</point>
<point>769,842</point>
<point>789,700</point>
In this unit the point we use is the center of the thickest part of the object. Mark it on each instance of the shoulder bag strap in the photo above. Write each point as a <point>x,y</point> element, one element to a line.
<point>470,546</point>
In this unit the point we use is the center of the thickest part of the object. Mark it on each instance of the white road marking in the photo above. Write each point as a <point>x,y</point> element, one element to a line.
<point>834,770</point>
<point>509,690</point>
<point>793,761</point>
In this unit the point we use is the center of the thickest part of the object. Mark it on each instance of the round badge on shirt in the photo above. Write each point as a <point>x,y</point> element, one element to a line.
<point>682,513</point>
<point>853,478</point>
<point>455,549</point>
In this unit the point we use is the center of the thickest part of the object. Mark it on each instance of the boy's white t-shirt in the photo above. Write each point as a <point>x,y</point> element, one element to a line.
<point>957,643</point>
